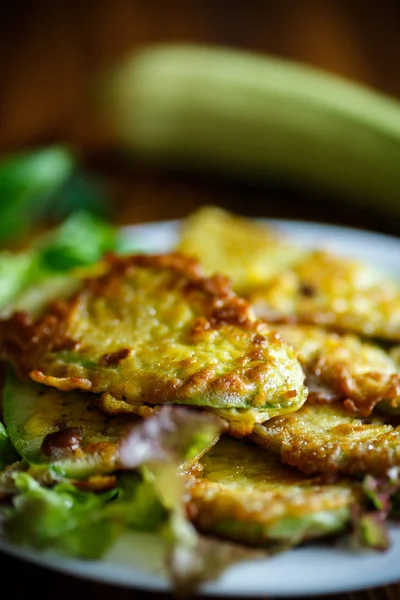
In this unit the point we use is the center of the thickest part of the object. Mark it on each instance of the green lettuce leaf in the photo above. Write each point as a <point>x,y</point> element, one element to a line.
<point>63,517</point>
<point>76,522</point>
<point>81,240</point>
<point>149,496</point>
<point>84,524</point>
<point>166,445</point>
<point>27,181</point>
<point>137,506</point>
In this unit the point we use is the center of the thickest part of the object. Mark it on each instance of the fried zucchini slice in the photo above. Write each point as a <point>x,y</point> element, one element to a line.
<point>333,292</point>
<point>344,367</point>
<point>249,496</point>
<point>154,330</point>
<point>62,429</point>
<point>325,438</point>
<point>247,252</point>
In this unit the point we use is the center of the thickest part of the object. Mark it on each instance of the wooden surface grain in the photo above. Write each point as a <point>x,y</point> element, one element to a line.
<point>50,50</point>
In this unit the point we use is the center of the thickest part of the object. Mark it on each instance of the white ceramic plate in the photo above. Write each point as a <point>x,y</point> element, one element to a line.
<point>136,560</point>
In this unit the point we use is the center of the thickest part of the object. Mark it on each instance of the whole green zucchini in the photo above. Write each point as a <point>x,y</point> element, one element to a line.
<point>257,117</point>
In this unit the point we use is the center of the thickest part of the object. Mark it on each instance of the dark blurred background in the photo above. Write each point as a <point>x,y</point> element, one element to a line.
<point>50,48</point>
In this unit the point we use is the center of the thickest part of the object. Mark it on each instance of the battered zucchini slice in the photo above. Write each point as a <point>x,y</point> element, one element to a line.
<point>247,252</point>
<point>343,367</point>
<point>61,429</point>
<point>325,438</point>
<point>248,496</point>
<point>334,292</point>
<point>64,430</point>
<point>152,330</point>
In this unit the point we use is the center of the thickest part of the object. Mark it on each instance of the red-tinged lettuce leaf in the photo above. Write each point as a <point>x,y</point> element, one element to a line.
<point>163,446</point>
<point>384,494</point>
<point>374,532</point>
<point>149,495</point>
<point>370,517</point>
<point>174,435</point>
<point>369,530</point>
<point>378,493</point>
<point>194,559</point>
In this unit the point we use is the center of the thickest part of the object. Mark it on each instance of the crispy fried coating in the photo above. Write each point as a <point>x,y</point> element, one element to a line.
<point>343,367</point>
<point>327,439</point>
<point>333,292</point>
<point>247,252</point>
<point>154,330</point>
<point>247,495</point>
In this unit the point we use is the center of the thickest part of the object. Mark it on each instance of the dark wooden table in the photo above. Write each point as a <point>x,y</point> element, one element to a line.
<point>49,49</point>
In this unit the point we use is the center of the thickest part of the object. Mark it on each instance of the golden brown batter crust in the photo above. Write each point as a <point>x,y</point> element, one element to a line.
<point>343,367</point>
<point>327,439</point>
